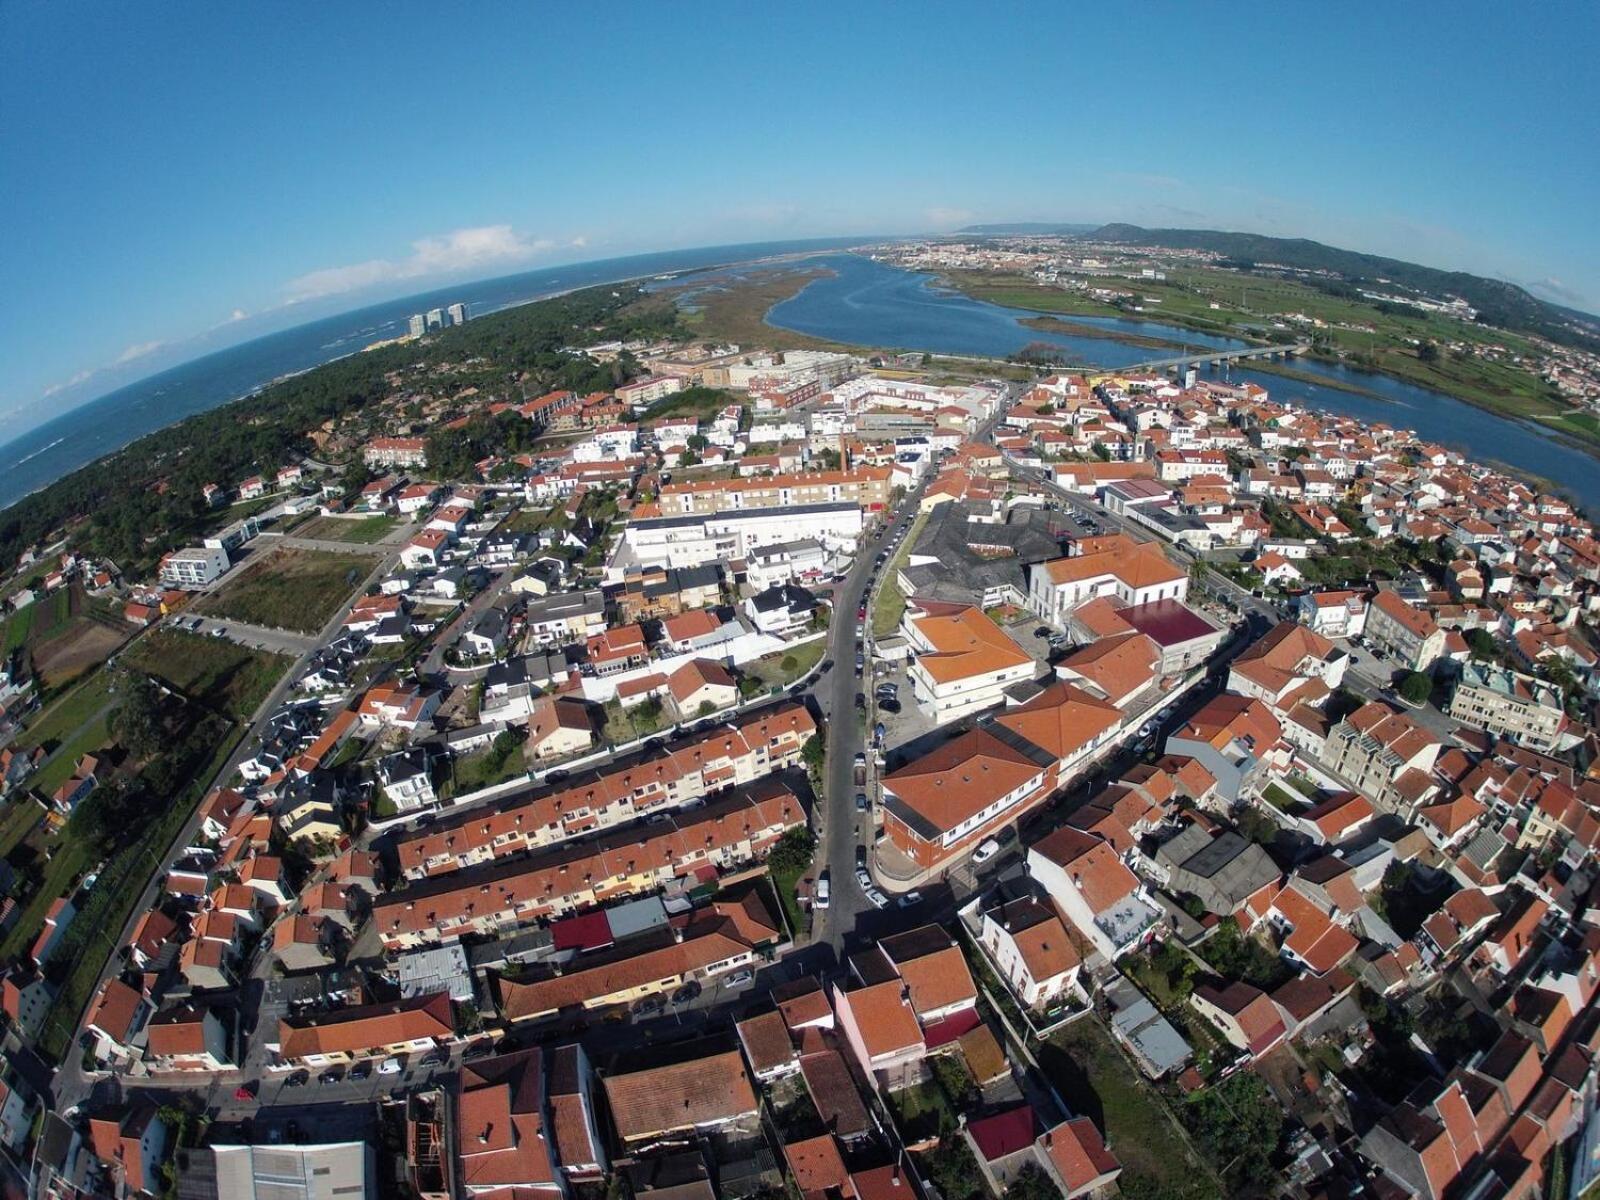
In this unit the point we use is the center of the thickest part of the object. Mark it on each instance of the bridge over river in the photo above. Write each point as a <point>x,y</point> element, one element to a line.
<point>1214,358</point>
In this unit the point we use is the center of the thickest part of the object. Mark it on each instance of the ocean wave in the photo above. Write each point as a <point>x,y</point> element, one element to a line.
<point>39,451</point>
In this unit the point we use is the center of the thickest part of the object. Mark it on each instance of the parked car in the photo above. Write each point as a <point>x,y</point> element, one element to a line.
<point>361,1070</point>
<point>687,992</point>
<point>819,898</point>
<point>738,979</point>
<point>297,1079</point>
<point>332,1076</point>
<point>861,802</point>
<point>986,850</point>
<point>876,898</point>
<point>863,878</point>
<point>909,899</point>
<point>390,1066</point>
<point>861,856</point>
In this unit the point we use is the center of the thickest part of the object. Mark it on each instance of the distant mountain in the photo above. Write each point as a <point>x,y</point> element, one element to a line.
<point>1498,302</point>
<point>1027,229</point>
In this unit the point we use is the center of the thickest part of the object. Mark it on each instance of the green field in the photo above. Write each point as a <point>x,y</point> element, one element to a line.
<point>1097,1081</point>
<point>298,590</point>
<point>363,531</point>
<point>222,675</point>
<point>68,715</point>
<point>771,670</point>
<point>70,860</point>
<point>17,628</point>
<point>17,820</point>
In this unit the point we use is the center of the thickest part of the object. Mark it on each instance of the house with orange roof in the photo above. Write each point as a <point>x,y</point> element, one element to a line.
<point>1092,888</point>
<point>1410,634</point>
<point>699,687</point>
<point>1032,951</point>
<point>501,1142</point>
<point>133,1144</point>
<point>1134,573</point>
<point>881,1029</point>
<point>1076,1156</point>
<point>325,1039</point>
<point>1235,738</point>
<point>187,1037</point>
<point>1246,1015</point>
<point>710,1094</point>
<point>1119,669</point>
<point>117,1020</point>
<point>557,727</point>
<point>963,661</point>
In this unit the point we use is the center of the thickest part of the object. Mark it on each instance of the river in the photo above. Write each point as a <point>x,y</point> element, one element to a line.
<point>870,303</point>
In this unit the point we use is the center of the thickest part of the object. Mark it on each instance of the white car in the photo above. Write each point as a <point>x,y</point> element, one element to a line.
<point>390,1066</point>
<point>863,878</point>
<point>986,850</point>
<point>820,898</point>
<point>878,899</point>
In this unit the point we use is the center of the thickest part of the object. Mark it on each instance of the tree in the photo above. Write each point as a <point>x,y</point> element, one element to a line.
<point>136,723</point>
<point>1416,687</point>
<point>1240,1126</point>
<point>1484,647</point>
<point>706,708</point>
<point>1428,352</point>
<point>697,442</point>
<point>814,754</point>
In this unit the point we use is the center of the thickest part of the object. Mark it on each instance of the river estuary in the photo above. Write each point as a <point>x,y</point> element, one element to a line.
<point>871,303</point>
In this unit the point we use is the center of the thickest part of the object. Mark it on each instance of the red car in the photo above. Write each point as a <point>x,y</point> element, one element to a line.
<point>861,613</point>
<point>245,1091</point>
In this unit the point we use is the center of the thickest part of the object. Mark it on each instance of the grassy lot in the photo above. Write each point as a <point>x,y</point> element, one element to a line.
<point>1096,1080</point>
<point>118,888</point>
<point>890,605</point>
<point>289,589</point>
<point>71,859</point>
<point>222,675</point>
<point>485,768</point>
<point>784,667</point>
<point>89,738</point>
<point>363,531</point>
<point>922,1112</point>
<point>17,628</point>
<point>68,714</point>
<point>626,724</point>
<point>17,820</point>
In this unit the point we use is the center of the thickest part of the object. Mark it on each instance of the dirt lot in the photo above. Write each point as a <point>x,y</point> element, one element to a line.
<point>70,632</point>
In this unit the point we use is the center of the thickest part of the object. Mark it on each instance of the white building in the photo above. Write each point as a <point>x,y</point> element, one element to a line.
<point>964,661</point>
<point>194,568</point>
<point>691,540</point>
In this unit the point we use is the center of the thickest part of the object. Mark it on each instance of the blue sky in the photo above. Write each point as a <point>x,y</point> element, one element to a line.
<point>179,177</point>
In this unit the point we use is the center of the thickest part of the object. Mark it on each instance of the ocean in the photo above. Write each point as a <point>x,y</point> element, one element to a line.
<point>103,426</point>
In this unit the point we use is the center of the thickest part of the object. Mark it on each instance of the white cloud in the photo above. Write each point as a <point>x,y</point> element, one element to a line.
<point>448,254</point>
<point>238,314</point>
<point>580,241</point>
<point>80,377</point>
<point>138,350</point>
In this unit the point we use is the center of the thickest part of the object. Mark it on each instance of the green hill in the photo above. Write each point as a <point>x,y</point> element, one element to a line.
<point>1498,303</point>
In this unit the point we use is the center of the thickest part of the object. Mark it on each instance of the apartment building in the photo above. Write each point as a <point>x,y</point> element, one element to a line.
<point>1411,635</point>
<point>193,568</point>
<point>1386,756</point>
<point>728,756</point>
<point>963,661</point>
<point>942,804</point>
<point>729,535</point>
<point>497,898</point>
<point>1521,707</point>
<point>866,487</point>
<point>382,453</point>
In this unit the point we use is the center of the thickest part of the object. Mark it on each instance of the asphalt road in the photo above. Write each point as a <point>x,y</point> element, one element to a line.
<point>72,1083</point>
<point>844,829</point>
